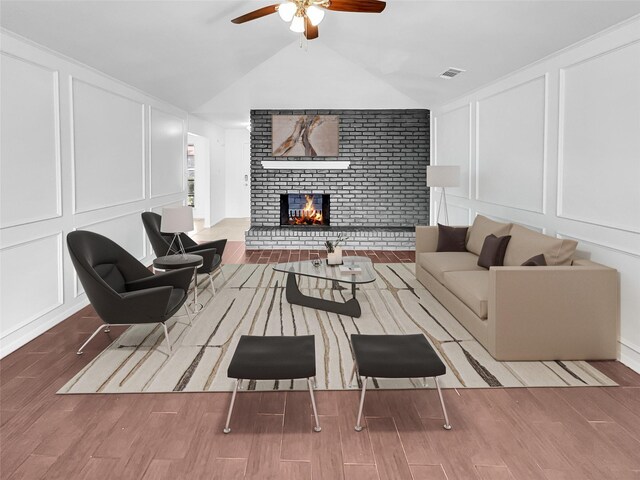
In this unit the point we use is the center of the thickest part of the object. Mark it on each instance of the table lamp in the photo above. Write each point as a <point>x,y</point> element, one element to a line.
<point>443,176</point>
<point>176,220</point>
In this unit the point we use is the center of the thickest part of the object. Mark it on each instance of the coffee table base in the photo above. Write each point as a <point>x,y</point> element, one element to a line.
<point>350,308</point>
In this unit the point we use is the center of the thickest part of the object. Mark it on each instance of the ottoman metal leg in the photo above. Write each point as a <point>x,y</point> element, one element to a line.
<point>358,427</point>
<point>446,425</point>
<point>233,399</point>
<point>313,404</point>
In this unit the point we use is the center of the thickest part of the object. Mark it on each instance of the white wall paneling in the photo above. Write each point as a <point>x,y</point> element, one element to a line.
<point>25,295</point>
<point>167,152</point>
<point>511,146</point>
<point>556,149</point>
<point>600,139</point>
<point>30,188</point>
<point>74,156</point>
<point>628,266</point>
<point>453,145</point>
<point>107,149</point>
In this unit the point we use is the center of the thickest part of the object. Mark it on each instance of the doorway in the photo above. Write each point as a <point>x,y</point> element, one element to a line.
<point>199,178</point>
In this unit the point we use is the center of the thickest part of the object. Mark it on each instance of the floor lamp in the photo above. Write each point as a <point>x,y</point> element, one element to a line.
<point>176,220</point>
<point>443,176</point>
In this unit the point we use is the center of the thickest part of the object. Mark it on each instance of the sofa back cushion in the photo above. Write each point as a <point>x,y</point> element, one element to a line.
<point>526,243</point>
<point>481,228</point>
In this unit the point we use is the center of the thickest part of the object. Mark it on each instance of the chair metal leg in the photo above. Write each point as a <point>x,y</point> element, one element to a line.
<point>166,335</point>
<point>79,352</point>
<point>240,384</point>
<point>233,400</point>
<point>186,309</point>
<point>317,428</point>
<point>358,427</point>
<point>447,425</point>
<point>353,374</point>
<point>213,289</point>
<point>224,277</point>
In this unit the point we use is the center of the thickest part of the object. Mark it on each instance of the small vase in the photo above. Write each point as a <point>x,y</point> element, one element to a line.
<point>335,257</point>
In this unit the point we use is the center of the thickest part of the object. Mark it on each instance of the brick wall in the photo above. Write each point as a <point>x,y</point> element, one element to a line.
<point>384,186</point>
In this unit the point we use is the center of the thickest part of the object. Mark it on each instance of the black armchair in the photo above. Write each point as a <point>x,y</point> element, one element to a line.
<point>211,252</point>
<point>120,288</point>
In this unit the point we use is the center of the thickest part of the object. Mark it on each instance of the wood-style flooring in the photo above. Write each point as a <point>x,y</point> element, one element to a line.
<point>520,433</point>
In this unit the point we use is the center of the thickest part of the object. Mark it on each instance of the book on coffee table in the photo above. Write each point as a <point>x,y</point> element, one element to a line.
<point>350,268</point>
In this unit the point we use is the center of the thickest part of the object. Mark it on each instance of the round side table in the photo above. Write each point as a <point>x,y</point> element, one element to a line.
<point>173,262</point>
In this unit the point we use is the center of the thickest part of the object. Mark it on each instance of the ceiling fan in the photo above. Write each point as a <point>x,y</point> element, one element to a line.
<point>306,15</point>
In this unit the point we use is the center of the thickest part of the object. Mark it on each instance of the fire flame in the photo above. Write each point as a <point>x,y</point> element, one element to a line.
<point>308,215</point>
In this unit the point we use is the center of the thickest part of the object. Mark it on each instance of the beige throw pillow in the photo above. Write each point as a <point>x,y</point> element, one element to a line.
<point>483,227</point>
<point>526,243</point>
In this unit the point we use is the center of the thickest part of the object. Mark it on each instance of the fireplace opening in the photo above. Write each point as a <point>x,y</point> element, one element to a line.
<point>304,209</point>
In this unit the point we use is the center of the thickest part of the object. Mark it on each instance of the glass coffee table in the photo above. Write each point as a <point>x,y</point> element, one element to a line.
<point>319,269</point>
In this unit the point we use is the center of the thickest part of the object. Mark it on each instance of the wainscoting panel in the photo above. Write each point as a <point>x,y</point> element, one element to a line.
<point>30,120</point>
<point>108,149</point>
<point>600,139</point>
<point>167,153</point>
<point>511,146</point>
<point>27,296</point>
<point>628,265</point>
<point>453,145</point>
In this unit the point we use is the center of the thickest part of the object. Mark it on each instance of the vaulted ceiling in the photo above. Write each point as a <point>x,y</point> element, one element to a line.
<point>190,54</point>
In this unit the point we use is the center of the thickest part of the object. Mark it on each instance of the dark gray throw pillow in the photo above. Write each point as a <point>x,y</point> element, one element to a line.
<point>537,261</point>
<point>493,250</point>
<point>452,239</point>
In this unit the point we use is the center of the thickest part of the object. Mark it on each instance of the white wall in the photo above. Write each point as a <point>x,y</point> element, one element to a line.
<point>555,146</point>
<point>238,161</point>
<point>79,151</point>
<point>217,165</point>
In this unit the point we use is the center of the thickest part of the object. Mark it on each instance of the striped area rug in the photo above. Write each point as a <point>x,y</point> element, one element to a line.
<point>252,301</point>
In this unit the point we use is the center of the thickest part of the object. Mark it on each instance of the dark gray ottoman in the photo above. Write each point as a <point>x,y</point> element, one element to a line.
<point>395,356</point>
<point>273,358</point>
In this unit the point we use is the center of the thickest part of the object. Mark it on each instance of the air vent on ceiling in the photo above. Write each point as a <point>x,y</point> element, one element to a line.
<point>452,72</point>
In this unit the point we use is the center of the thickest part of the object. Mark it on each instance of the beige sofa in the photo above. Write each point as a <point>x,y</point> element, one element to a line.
<point>567,310</point>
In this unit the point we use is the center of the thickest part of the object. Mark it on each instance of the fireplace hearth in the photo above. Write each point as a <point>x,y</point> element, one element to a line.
<point>304,210</point>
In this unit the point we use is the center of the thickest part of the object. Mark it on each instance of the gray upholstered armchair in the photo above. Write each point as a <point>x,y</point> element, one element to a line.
<point>120,288</point>
<point>211,252</point>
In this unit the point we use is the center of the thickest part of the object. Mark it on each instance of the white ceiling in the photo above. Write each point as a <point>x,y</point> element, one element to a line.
<point>190,54</point>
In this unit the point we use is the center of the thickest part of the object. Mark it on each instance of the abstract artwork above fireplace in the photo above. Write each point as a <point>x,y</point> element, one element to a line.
<point>304,209</point>
<point>304,135</point>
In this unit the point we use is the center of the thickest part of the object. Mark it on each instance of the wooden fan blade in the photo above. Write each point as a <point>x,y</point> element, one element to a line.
<point>361,6</point>
<point>310,31</point>
<point>261,12</point>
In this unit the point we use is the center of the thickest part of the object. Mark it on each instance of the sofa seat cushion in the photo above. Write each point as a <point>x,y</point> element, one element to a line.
<point>437,263</point>
<point>472,288</point>
<point>526,243</point>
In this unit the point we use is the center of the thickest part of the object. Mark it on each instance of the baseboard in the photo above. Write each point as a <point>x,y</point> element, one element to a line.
<point>630,355</point>
<point>34,331</point>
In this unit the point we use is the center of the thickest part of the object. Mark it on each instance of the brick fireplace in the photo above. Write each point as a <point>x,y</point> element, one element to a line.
<point>378,200</point>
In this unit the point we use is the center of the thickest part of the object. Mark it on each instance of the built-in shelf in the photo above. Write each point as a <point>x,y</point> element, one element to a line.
<point>306,164</point>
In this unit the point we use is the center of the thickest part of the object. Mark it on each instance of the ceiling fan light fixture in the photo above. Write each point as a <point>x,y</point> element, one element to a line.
<point>315,15</point>
<point>287,10</point>
<point>297,24</point>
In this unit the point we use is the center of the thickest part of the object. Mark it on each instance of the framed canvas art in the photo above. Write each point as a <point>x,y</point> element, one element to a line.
<point>304,135</point>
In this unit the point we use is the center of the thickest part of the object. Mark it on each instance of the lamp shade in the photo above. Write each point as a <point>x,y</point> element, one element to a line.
<point>177,220</point>
<point>297,24</point>
<point>287,10</point>
<point>443,176</point>
<point>315,14</point>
